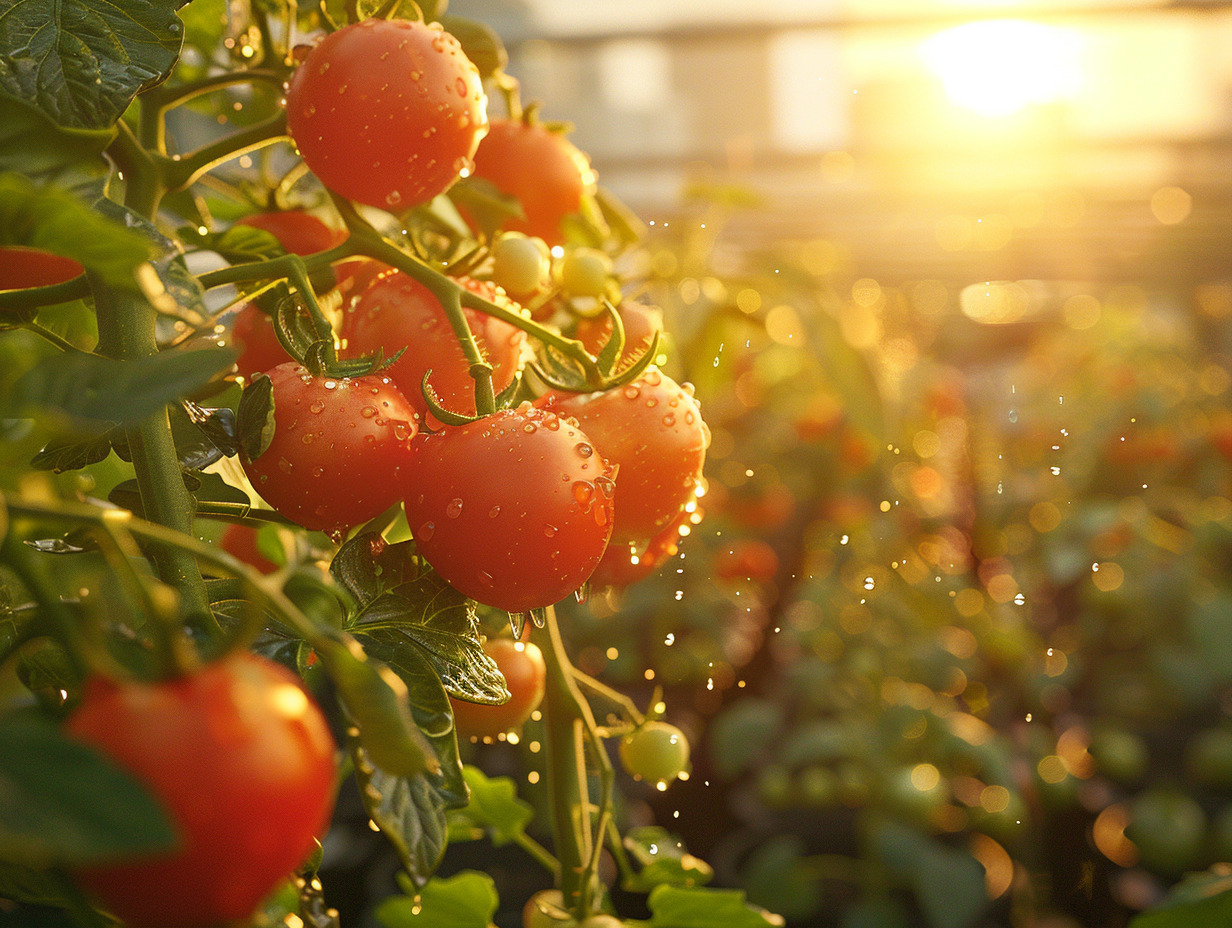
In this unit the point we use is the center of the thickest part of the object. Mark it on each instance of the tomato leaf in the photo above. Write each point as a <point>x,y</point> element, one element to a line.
<point>82,62</point>
<point>663,859</point>
<point>239,244</point>
<point>1200,899</point>
<point>34,146</point>
<point>61,802</point>
<point>494,807</point>
<point>464,900</point>
<point>948,883</point>
<point>480,43</point>
<point>61,454</point>
<point>176,289</point>
<point>55,221</point>
<point>778,874</point>
<point>678,907</point>
<point>90,387</point>
<point>403,604</point>
<point>254,425</point>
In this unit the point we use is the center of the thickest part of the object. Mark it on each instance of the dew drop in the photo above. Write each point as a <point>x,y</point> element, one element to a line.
<point>425,531</point>
<point>308,438</point>
<point>584,449</point>
<point>485,578</point>
<point>584,493</point>
<point>632,391</point>
<point>393,198</point>
<point>454,509</point>
<point>403,430</point>
<point>317,407</point>
<point>669,420</point>
<point>284,465</point>
<point>549,531</point>
<point>368,411</point>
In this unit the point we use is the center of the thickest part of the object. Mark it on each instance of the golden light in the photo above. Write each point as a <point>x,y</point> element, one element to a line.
<point>999,67</point>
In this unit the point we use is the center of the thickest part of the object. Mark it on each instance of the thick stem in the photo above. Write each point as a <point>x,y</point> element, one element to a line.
<point>126,332</point>
<point>565,721</point>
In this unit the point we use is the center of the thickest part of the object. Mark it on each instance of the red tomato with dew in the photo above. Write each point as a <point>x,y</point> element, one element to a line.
<point>387,112</point>
<point>300,233</point>
<point>22,267</point>
<point>396,311</point>
<point>254,336</point>
<point>540,168</point>
<point>340,448</point>
<point>514,509</point>
<point>652,430</point>
<point>243,762</point>
<point>521,663</point>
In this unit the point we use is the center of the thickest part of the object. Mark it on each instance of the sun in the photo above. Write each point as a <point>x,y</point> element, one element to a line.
<point>1000,67</point>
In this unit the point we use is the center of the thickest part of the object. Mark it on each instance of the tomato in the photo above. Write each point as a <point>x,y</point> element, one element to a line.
<point>521,663</point>
<point>1168,827</point>
<point>253,334</point>
<point>585,272</point>
<point>243,762</point>
<point>520,264</point>
<point>656,751</point>
<point>514,509</point>
<point>652,429</point>
<point>354,275</point>
<point>396,311</point>
<point>546,909</point>
<point>339,449</point>
<point>387,112</point>
<point>240,541</point>
<point>624,564</point>
<point>298,232</point>
<point>747,559</point>
<point>32,267</point>
<point>640,322</point>
<point>540,168</point>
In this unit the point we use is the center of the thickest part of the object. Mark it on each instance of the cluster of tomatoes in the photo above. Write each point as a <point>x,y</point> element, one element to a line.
<point>516,509</point>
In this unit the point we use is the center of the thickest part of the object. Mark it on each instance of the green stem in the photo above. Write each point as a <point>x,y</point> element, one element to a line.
<point>541,854</point>
<point>566,716</point>
<point>126,331</point>
<point>602,689</point>
<point>164,97</point>
<point>32,298</point>
<point>58,340</point>
<point>181,172</point>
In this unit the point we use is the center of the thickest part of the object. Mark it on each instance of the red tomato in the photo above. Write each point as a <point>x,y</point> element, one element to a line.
<point>243,762</point>
<point>355,274</point>
<point>387,112</point>
<point>252,333</point>
<point>652,429</point>
<point>396,311</point>
<point>522,665</point>
<point>240,541</point>
<point>298,232</point>
<point>514,509</point>
<point>32,267</point>
<point>747,559</point>
<point>543,170</point>
<point>625,563</point>
<point>339,450</point>
<point>640,322</point>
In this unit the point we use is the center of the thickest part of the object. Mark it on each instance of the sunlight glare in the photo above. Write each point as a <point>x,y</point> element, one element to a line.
<point>999,67</point>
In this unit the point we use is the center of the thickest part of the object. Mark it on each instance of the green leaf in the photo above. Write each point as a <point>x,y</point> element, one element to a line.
<point>32,886</point>
<point>179,288</point>
<point>62,803</point>
<point>625,224</point>
<point>90,387</point>
<point>239,244</point>
<point>82,61</point>
<point>254,425</point>
<point>54,221</point>
<point>61,454</point>
<point>33,145</point>
<point>677,907</point>
<point>778,874</point>
<point>409,811</point>
<point>495,806</point>
<point>480,43</point>
<point>1198,901</point>
<point>465,900</point>
<point>483,202</point>
<point>948,883</point>
<point>403,604</point>
<point>663,859</point>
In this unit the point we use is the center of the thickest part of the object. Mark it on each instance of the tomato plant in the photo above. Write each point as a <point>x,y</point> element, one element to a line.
<point>339,449</point>
<point>514,509</point>
<point>243,761</point>
<point>387,112</point>
<point>521,664</point>
<point>540,168</point>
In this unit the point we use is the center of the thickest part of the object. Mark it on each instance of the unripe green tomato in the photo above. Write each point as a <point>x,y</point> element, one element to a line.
<point>520,264</point>
<point>585,272</point>
<point>545,909</point>
<point>1119,755</point>
<point>657,752</point>
<point>1169,829</point>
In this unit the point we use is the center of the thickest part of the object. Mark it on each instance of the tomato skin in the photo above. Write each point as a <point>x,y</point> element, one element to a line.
<point>243,761</point>
<point>396,311</point>
<point>652,429</point>
<point>521,663</point>
<point>298,232</point>
<point>253,334</point>
<point>543,170</point>
<point>514,510</point>
<point>339,449</point>
<point>22,267</point>
<point>387,112</point>
<point>240,541</point>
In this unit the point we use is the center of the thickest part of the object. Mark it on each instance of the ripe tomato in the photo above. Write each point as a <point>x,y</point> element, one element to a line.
<point>387,112</point>
<point>522,665</point>
<point>252,333</point>
<point>747,559</point>
<point>339,449</point>
<point>514,509</point>
<point>653,431</point>
<point>240,541</point>
<point>640,322</point>
<point>243,761</point>
<point>625,563</point>
<point>396,311</point>
<point>32,267</point>
<point>542,169</point>
<point>657,751</point>
<point>298,232</point>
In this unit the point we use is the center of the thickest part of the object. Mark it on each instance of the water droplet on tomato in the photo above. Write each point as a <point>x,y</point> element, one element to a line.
<point>317,406</point>
<point>368,411</point>
<point>318,472</point>
<point>284,465</point>
<point>601,516</point>
<point>416,75</point>
<point>549,531</point>
<point>689,418</point>
<point>582,593</point>
<point>584,493</point>
<point>669,420</point>
<point>425,531</point>
<point>461,85</point>
<point>584,449</point>
<point>454,509</point>
<point>330,384</point>
<point>632,391</point>
<point>485,578</point>
<point>606,486</point>
<point>651,403</point>
<point>393,198</point>
<point>308,438</point>
<point>494,512</point>
<point>403,430</point>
